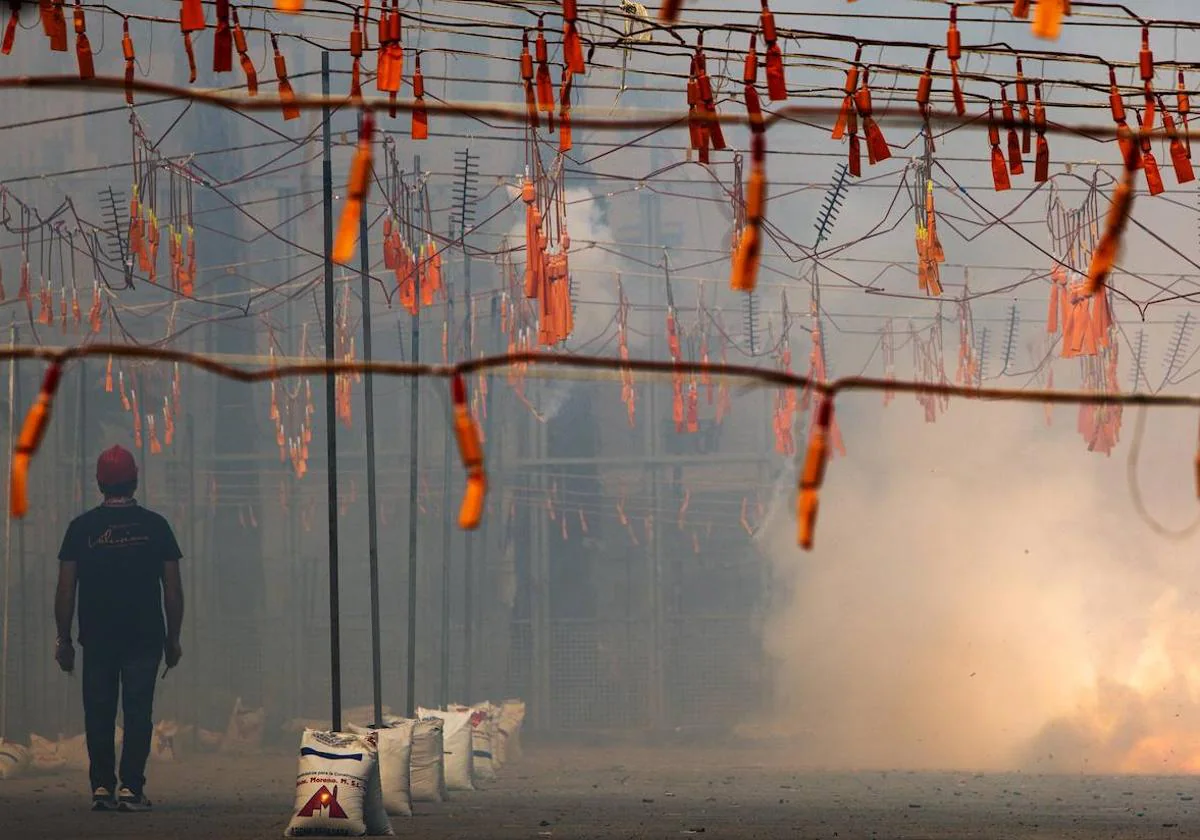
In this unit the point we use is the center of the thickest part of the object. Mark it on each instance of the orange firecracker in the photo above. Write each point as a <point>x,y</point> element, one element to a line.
<point>32,432</point>
<point>239,43</point>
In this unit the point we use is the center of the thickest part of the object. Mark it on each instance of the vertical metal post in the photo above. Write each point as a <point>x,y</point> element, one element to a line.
<point>25,677</point>
<point>335,647</point>
<point>193,565</point>
<point>447,535</point>
<point>12,431</point>
<point>654,549</point>
<point>541,607</point>
<point>144,474</point>
<point>466,196</point>
<point>372,513</point>
<point>413,487</point>
<point>82,443</point>
<point>468,537</point>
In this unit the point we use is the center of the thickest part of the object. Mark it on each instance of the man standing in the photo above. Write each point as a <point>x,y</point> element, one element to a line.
<point>124,561</point>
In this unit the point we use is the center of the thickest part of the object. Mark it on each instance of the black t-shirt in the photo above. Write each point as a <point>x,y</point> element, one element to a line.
<point>119,550</point>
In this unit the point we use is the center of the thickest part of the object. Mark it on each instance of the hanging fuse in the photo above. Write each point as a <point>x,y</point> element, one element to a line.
<point>286,95</point>
<point>572,47</point>
<point>1048,18</point>
<point>32,432</point>
<point>744,277</point>
<point>10,30</point>
<point>565,140</point>
<point>1022,89</point>
<point>877,146</point>
<point>191,16</point>
<point>356,51</point>
<point>813,475</point>
<point>925,86</point>
<point>1126,143</point>
<point>999,166</point>
<point>1184,173</point>
<point>420,115</point>
<point>1041,170</point>
<point>471,452</point>
<point>1185,108</point>
<point>190,52</point>
<point>1015,165</point>
<point>839,127</point>
<point>395,49</point>
<point>83,47</point>
<point>776,84</point>
<point>1146,57</point>
<point>1108,248</point>
<point>527,81</point>
<point>239,43</point>
<point>356,192</point>
<point>1154,181</point>
<point>954,53</point>
<point>222,40</point>
<point>127,51</point>
<point>545,86</point>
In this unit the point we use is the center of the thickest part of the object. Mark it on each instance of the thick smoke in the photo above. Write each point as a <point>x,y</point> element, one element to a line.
<point>983,596</point>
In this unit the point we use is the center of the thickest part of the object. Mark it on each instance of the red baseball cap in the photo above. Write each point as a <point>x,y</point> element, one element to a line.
<point>116,466</point>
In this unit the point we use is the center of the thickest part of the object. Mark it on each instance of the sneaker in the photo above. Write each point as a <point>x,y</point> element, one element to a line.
<point>103,800</point>
<point>130,801</point>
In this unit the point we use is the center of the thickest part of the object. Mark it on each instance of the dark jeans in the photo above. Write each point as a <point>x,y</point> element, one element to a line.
<point>132,673</point>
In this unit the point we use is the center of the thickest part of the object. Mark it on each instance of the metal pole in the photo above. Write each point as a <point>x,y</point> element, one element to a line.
<point>12,431</point>
<point>468,540</point>
<point>413,462</point>
<point>654,549</point>
<point>447,536</point>
<point>335,650</point>
<point>81,446</point>
<point>364,269</point>
<point>193,566</point>
<point>25,677</point>
<point>144,483</point>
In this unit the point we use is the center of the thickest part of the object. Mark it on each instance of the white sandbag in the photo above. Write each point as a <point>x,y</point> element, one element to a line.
<point>482,769</point>
<point>166,743</point>
<point>209,740</point>
<point>244,734</point>
<point>395,763</point>
<point>493,728</point>
<point>337,787</point>
<point>427,777</point>
<point>456,747</point>
<point>45,754</point>
<point>15,760</point>
<point>512,716</point>
<point>75,753</point>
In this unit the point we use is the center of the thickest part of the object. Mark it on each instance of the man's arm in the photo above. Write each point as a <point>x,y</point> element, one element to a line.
<point>173,604</point>
<point>64,599</point>
<point>64,615</point>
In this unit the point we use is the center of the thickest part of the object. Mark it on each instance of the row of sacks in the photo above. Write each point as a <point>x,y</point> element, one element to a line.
<point>43,755</point>
<point>349,783</point>
<point>243,734</point>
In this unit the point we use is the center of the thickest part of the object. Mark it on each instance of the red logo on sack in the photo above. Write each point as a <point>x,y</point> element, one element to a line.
<point>478,718</point>
<point>323,800</point>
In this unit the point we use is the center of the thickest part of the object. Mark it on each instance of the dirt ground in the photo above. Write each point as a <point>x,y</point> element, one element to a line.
<point>578,792</point>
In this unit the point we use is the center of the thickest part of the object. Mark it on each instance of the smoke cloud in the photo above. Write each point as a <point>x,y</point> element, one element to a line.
<point>983,597</point>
